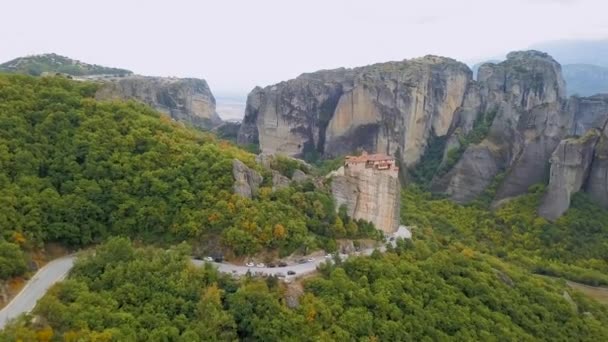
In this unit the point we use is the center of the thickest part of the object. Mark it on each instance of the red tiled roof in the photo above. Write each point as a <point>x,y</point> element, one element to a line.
<point>369,157</point>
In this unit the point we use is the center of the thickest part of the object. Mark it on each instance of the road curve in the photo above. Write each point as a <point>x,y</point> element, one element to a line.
<point>57,269</point>
<point>35,288</point>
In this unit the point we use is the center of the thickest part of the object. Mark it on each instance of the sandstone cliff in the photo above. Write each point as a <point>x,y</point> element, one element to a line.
<point>526,91</point>
<point>398,107</point>
<point>597,182</point>
<point>184,99</point>
<point>369,194</point>
<point>570,165</point>
<point>390,107</point>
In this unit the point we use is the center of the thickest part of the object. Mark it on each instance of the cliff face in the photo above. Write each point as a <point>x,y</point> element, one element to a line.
<point>597,182</point>
<point>369,194</point>
<point>395,108</point>
<point>570,165</point>
<point>184,99</point>
<point>389,107</point>
<point>526,92</point>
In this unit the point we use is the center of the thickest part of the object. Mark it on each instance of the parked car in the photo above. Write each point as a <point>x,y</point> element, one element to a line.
<point>310,259</point>
<point>282,264</point>
<point>260,265</point>
<point>302,261</point>
<point>290,272</point>
<point>218,259</point>
<point>271,265</point>
<point>209,259</point>
<point>250,264</point>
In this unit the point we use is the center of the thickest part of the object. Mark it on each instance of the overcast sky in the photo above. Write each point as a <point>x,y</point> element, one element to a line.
<point>238,44</point>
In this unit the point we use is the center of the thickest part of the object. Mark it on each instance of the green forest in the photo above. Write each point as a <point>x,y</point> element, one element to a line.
<point>427,290</point>
<point>574,247</point>
<point>53,63</point>
<point>76,171</point>
<point>140,194</point>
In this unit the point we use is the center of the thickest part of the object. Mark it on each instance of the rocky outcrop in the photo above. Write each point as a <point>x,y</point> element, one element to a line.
<point>570,165</point>
<point>246,181</point>
<point>397,107</point>
<point>279,181</point>
<point>526,92</point>
<point>597,182</point>
<point>369,194</point>
<point>299,176</point>
<point>390,107</point>
<point>184,99</point>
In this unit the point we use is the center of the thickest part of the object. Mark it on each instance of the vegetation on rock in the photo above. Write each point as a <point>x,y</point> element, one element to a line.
<point>53,63</point>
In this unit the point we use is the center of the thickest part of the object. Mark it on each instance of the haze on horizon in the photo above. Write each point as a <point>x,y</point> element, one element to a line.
<point>238,44</point>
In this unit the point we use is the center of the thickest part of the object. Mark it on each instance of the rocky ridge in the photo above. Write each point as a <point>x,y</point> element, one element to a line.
<point>183,99</point>
<point>397,107</point>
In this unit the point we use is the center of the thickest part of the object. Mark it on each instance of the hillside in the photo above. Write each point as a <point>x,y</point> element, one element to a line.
<point>76,171</point>
<point>79,172</point>
<point>53,63</point>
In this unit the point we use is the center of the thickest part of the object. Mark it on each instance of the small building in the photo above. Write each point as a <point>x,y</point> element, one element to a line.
<point>378,161</point>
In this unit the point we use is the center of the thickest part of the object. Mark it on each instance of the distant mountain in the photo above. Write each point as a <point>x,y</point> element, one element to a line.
<point>53,63</point>
<point>585,79</point>
<point>577,51</point>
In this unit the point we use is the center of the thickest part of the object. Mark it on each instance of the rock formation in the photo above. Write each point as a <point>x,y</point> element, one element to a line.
<point>526,93</point>
<point>246,181</point>
<point>597,182</point>
<point>390,107</point>
<point>397,107</point>
<point>369,193</point>
<point>184,99</point>
<point>570,165</point>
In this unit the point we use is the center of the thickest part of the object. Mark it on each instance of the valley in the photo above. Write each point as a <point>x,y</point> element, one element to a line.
<point>501,179</point>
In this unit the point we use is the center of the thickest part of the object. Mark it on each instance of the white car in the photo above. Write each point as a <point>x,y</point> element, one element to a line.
<point>250,264</point>
<point>310,259</point>
<point>328,256</point>
<point>209,259</point>
<point>260,265</point>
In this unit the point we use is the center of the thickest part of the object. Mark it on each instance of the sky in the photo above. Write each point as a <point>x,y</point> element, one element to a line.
<point>238,44</point>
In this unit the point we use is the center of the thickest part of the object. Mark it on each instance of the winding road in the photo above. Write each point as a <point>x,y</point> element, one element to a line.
<point>35,288</point>
<point>56,270</point>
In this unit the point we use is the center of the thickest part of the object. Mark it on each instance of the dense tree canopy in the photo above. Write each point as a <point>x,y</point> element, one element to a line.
<point>574,247</point>
<point>421,291</point>
<point>76,171</point>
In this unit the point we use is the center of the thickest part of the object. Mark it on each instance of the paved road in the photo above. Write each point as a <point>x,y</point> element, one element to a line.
<point>56,270</point>
<point>35,288</point>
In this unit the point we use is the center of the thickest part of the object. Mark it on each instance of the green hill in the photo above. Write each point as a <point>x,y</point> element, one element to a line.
<point>53,63</point>
<point>77,171</point>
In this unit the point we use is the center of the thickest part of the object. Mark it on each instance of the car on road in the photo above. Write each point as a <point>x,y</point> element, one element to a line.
<point>208,259</point>
<point>310,259</point>
<point>302,261</point>
<point>250,264</point>
<point>290,272</point>
<point>260,265</point>
<point>218,259</point>
<point>271,265</point>
<point>282,264</point>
